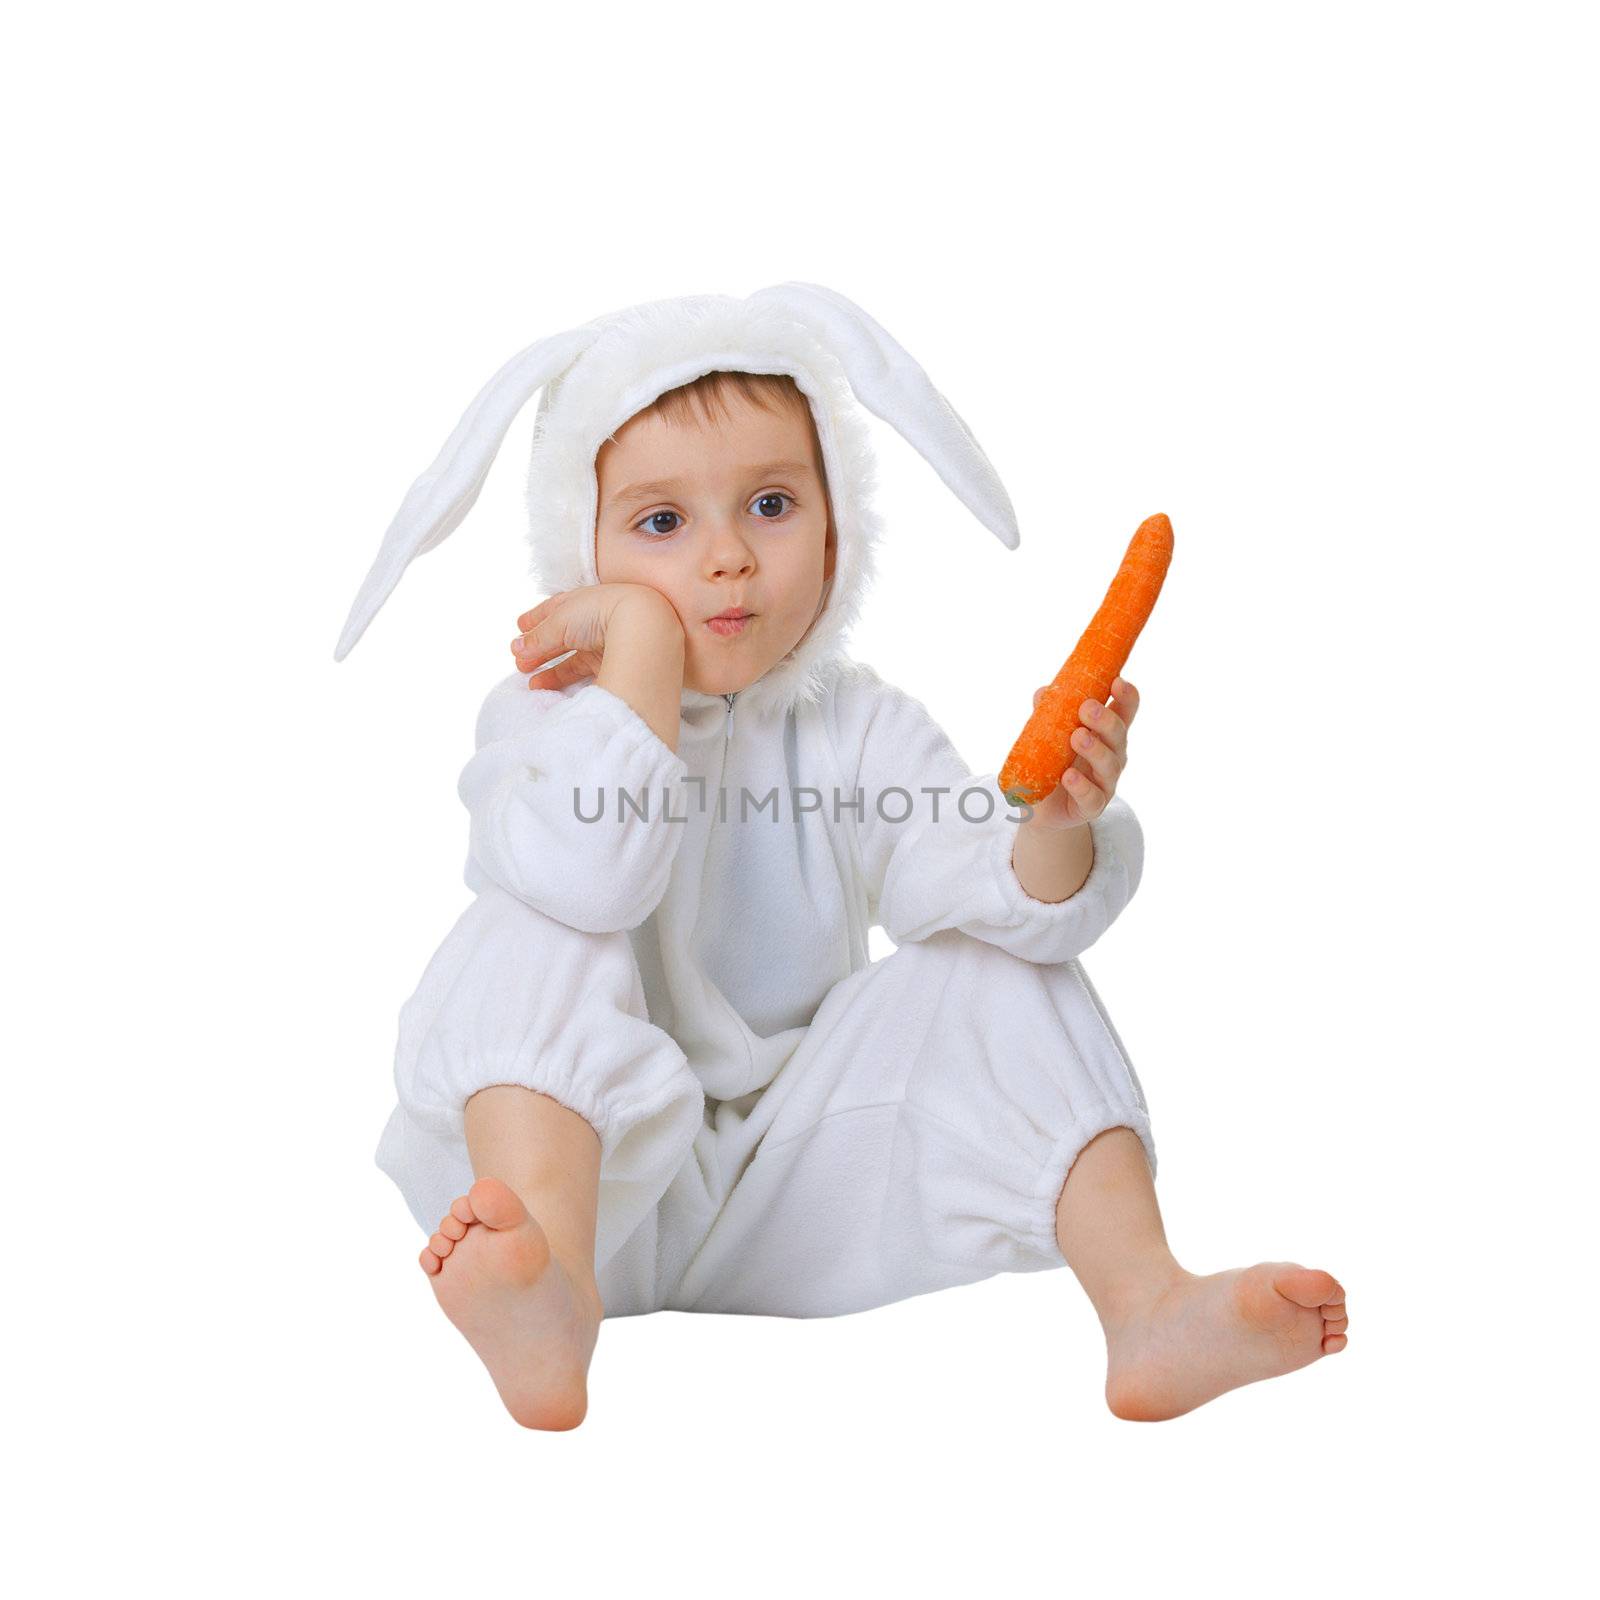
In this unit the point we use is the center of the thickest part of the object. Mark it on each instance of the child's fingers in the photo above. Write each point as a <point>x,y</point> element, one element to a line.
<point>554,677</point>
<point>546,672</point>
<point>1109,724</point>
<point>528,652</point>
<point>539,642</point>
<point>1127,698</point>
<point>1105,763</point>
<point>530,618</point>
<point>1090,797</point>
<point>569,669</point>
<point>537,647</point>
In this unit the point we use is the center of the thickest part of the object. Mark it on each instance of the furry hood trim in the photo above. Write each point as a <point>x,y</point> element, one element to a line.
<point>594,378</point>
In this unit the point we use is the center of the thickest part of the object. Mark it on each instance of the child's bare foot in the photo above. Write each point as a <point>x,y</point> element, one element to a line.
<point>1182,1342</point>
<point>532,1326</point>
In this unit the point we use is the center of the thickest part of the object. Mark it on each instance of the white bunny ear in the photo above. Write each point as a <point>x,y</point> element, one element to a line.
<point>891,384</point>
<point>436,503</point>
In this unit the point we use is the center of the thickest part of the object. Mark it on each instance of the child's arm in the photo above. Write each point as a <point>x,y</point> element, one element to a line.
<point>547,760</point>
<point>1051,865</point>
<point>927,872</point>
<point>624,636</point>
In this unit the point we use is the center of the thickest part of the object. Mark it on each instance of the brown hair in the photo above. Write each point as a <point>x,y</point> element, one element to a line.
<point>707,396</point>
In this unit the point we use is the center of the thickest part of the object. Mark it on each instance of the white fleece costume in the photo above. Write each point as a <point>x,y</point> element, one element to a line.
<point>785,1127</point>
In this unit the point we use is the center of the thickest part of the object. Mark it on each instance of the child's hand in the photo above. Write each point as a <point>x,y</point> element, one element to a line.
<point>1100,752</point>
<point>580,620</point>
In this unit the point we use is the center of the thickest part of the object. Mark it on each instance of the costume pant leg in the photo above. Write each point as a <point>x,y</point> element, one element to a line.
<point>513,996</point>
<point>918,1138</point>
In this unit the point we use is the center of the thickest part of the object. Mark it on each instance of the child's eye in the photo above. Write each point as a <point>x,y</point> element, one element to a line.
<point>655,516</point>
<point>650,526</point>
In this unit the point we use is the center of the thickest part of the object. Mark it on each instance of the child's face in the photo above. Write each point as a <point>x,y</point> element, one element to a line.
<point>729,512</point>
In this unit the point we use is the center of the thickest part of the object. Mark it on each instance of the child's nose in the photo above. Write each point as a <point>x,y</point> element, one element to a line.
<point>730,556</point>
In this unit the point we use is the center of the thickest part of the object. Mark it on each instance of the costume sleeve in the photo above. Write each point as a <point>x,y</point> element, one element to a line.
<point>948,863</point>
<point>546,760</point>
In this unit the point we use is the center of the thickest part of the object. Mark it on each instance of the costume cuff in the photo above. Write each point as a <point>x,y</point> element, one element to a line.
<point>1062,930</point>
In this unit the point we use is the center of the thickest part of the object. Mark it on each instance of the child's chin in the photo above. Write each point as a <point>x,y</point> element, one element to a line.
<point>721,680</point>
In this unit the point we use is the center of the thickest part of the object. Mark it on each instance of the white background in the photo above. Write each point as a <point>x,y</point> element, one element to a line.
<point>1317,282</point>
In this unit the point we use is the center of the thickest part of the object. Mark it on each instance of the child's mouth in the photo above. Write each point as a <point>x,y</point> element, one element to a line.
<point>728,626</point>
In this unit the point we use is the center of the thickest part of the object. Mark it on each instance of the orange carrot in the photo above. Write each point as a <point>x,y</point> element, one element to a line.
<point>1044,751</point>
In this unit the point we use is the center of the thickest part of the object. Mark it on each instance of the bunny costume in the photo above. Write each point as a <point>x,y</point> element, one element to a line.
<point>673,944</point>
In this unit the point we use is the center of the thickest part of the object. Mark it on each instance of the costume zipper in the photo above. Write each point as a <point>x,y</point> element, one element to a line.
<point>727,732</point>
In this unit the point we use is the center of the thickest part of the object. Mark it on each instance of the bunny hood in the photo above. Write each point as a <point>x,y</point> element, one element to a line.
<point>595,377</point>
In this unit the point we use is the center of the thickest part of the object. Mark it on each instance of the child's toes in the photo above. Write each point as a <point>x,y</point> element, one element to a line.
<point>441,1246</point>
<point>496,1204</point>
<point>429,1261</point>
<point>1334,1323</point>
<point>461,1209</point>
<point>1308,1286</point>
<point>453,1227</point>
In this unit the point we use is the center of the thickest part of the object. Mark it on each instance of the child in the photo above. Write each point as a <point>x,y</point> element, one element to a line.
<point>655,1038</point>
